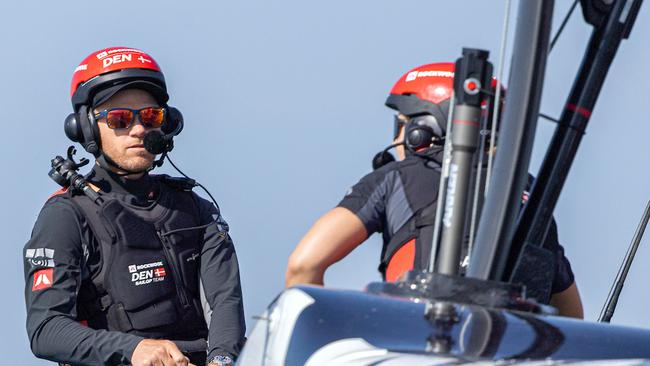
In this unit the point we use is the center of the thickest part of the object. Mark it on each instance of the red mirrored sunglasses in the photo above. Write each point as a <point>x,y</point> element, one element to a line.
<point>117,118</point>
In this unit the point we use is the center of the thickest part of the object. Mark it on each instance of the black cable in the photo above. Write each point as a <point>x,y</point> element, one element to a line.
<point>549,118</point>
<point>564,23</point>
<point>206,191</point>
<point>555,39</point>
<point>195,182</point>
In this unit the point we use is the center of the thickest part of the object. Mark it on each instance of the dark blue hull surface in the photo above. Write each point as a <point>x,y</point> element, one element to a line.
<point>312,325</point>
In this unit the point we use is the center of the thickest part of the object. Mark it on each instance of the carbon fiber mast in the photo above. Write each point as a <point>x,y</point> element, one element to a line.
<point>497,223</point>
<point>612,23</point>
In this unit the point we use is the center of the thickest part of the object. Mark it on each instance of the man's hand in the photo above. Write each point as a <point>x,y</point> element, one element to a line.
<point>158,352</point>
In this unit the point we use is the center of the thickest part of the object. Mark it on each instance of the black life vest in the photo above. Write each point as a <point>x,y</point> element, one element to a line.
<point>410,248</point>
<point>147,282</point>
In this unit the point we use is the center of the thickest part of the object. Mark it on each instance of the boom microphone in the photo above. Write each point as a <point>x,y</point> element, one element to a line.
<point>384,157</point>
<point>155,142</point>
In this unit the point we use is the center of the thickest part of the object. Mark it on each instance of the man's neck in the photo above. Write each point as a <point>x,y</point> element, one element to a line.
<point>113,180</point>
<point>120,172</point>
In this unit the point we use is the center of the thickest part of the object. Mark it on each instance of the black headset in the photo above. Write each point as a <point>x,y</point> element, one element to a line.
<point>421,131</point>
<point>82,127</point>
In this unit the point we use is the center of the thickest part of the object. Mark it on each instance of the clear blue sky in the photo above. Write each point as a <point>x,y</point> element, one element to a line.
<point>283,102</point>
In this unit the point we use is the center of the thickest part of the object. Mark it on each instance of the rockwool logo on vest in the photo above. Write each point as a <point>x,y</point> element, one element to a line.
<point>144,274</point>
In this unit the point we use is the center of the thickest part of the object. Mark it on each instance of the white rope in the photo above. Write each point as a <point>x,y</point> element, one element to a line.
<point>497,98</point>
<point>444,174</point>
<point>477,192</point>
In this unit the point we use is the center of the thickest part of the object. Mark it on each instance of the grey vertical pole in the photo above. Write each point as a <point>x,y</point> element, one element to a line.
<point>502,204</point>
<point>473,74</point>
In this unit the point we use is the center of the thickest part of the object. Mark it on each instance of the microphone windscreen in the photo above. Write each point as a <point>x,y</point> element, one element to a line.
<point>155,142</point>
<point>382,158</point>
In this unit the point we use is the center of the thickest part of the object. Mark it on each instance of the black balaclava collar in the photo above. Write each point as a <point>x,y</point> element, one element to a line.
<point>140,191</point>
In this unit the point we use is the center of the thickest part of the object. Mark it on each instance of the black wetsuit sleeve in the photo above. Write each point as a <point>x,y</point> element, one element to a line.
<point>563,274</point>
<point>367,198</point>
<point>54,268</point>
<point>222,287</point>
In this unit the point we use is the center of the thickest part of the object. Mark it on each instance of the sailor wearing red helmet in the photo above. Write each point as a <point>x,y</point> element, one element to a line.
<point>146,274</point>
<point>398,199</point>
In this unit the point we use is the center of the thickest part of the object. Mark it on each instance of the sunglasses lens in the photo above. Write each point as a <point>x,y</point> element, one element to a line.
<point>119,118</point>
<point>152,117</point>
<point>397,127</point>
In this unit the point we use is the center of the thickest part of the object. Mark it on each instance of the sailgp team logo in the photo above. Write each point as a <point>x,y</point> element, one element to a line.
<point>144,274</point>
<point>40,257</point>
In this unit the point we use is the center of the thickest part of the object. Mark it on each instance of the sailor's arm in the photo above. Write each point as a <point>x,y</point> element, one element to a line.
<point>222,288</point>
<point>359,214</point>
<point>53,272</point>
<point>329,240</point>
<point>568,302</point>
<point>565,296</point>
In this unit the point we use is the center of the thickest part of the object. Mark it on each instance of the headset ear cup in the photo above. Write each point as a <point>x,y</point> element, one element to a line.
<point>174,123</point>
<point>89,131</point>
<point>418,136</point>
<point>72,128</point>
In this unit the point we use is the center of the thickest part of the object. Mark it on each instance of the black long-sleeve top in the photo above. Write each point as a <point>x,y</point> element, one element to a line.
<point>62,252</point>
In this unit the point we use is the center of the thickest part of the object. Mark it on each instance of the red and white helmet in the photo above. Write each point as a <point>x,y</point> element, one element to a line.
<point>105,72</point>
<point>426,89</point>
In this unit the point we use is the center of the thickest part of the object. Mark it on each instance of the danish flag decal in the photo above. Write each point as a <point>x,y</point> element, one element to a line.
<point>43,279</point>
<point>159,272</point>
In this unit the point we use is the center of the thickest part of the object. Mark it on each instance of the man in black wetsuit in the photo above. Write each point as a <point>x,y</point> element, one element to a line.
<point>399,198</point>
<point>147,273</point>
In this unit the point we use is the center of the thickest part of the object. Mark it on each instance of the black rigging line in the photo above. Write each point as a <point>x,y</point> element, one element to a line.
<point>554,41</point>
<point>564,23</point>
<point>549,118</point>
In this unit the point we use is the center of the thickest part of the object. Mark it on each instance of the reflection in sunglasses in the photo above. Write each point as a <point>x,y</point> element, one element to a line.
<point>118,118</point>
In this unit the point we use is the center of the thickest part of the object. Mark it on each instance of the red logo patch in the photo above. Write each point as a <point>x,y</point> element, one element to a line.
<point>43,279</point>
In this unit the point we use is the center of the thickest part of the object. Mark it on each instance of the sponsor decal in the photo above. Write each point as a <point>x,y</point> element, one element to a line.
<point>431,73</point>
<point>43,279</point>
<point>103,54</point>
<point>84,247</point>
<point>116,59</point>
<point>144,274</point>
<point>192,257</point>
<point>411,76</point>
<point>81,67</point>
<point>40,257</point>
<point>451,192</point>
